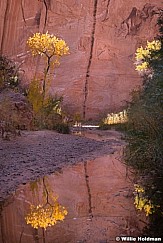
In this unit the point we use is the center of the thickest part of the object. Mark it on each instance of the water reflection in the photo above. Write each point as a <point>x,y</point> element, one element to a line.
<point>96,194</point>
<point>47,211</point>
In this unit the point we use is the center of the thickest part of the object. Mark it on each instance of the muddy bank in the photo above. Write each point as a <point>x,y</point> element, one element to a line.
<point>39,153</point>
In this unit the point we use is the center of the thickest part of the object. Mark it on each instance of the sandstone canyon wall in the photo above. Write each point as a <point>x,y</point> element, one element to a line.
<point>103,35</point>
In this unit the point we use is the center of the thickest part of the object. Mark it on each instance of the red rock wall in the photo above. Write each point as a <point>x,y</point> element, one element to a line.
<point>103,35</point>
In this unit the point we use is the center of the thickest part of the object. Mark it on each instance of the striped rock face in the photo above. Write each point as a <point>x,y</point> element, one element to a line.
<point>99,74</point>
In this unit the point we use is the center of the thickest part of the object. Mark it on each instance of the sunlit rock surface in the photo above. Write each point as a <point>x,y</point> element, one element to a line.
<point>99,73</point>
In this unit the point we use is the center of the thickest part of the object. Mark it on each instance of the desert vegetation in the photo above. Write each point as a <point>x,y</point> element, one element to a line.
<point>13,103</point>
<point>144,133</point>
<point>142,126</point>
<point>46,109</point>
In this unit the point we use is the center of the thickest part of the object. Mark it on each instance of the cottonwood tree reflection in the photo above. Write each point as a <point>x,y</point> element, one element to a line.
<point>47,213</point>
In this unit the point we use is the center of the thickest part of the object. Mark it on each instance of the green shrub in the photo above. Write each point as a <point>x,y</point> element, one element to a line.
<point>8,74</point>
<point>47,111</point>
<point>62,128</point>
<point>118,127</point>
<point>104,126</point>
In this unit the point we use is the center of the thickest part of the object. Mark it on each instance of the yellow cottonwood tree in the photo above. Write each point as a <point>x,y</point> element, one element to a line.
<point>143,55</point>
<point>51,48</point>
<point>35,95</point>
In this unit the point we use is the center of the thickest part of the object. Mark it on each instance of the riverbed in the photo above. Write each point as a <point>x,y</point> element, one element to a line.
<point>85,172</point>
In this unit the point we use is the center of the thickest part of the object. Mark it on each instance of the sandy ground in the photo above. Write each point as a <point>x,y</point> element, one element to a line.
<point>38,153</point>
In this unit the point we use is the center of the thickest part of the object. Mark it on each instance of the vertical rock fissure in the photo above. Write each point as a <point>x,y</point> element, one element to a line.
<point>107,11</point>
<point>21,235</point>
<point>90,58</point>
<point>23,15</point>
<point>88,189</point>
<point>4,26</point>
<point>46,14</point>
<point>43,30</point>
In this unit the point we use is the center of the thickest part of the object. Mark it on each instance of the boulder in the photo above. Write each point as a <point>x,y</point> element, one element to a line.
<point>15,112</point>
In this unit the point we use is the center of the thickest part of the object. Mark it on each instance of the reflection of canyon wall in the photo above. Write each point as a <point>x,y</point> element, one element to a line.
<point>99,201</point>
<point>102,34</point>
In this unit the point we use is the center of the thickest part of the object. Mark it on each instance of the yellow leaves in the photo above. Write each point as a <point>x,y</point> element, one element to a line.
<point>48,45</point>
<point>154,45</point>
<point>47,213</point>
<point>115,118</point>
<point>45,216</point>
<point>148,208</point>
<point>138,188</point>
<point>142,203</point>
<point>55,62</point>
<point>143,55</point>
<point>142,67</point>
<point>35,96</point>
<point>52,49</point>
